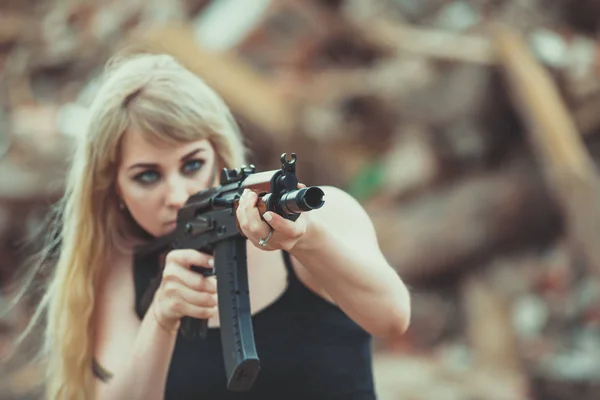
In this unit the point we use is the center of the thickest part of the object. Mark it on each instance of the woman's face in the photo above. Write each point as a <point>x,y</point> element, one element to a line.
<point>155,181</point>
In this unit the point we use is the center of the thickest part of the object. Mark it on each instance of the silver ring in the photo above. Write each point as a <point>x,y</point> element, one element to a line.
<point>263,242</point>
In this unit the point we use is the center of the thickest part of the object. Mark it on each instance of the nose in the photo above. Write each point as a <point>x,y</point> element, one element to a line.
<point>177,193</point>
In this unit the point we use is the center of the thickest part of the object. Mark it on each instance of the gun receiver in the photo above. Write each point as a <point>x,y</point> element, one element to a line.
<point>208,223</point>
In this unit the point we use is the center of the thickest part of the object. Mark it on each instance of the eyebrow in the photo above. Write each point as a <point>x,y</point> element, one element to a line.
<point>183,159</point>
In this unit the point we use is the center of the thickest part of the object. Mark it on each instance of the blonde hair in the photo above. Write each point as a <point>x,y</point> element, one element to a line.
<point>153,94</point>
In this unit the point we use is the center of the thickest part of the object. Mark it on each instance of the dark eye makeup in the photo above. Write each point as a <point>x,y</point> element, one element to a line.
<point>151,176</point>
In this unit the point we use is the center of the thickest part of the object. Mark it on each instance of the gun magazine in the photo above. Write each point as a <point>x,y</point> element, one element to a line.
<point>242,364</point>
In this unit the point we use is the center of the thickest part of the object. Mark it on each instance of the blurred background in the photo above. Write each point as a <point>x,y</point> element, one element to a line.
<point>467,128</point>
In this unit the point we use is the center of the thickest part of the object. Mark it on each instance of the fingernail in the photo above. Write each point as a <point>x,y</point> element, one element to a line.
<point>267,216</point>
<point>211,262</point>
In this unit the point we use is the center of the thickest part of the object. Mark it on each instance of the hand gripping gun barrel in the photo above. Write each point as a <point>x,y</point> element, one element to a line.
<point>208,223</point>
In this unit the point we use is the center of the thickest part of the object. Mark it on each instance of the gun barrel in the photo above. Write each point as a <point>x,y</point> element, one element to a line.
<point>300,200</point>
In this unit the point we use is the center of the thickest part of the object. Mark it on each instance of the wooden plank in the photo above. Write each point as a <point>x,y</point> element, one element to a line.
<point>432,43</point>
<point>488,325</point>
<point>567,166</point>
<point>30,176</point>
<point>247,93</point>
<point>457,226</point>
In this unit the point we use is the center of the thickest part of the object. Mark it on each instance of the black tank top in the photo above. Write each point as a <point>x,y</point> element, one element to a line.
<point>308,348</point>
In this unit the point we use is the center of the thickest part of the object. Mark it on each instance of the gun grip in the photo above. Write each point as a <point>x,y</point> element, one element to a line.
<point>194,328</point>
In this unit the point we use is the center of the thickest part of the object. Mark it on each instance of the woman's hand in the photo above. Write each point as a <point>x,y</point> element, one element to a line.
<point>285,233</point>
<point>184,292</point>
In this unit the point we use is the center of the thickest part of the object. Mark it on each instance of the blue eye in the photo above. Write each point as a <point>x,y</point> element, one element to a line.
<point>147,177</point>
<point>152,176</point>
<point>192,166</point>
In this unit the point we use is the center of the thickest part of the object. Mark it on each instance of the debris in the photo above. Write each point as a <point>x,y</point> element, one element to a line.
<point>473,148</point>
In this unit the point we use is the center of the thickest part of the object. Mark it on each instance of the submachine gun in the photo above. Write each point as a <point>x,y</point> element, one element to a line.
<point>208,223</point>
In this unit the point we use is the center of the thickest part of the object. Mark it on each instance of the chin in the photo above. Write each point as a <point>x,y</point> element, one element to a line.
<point>158,231</point>
<point>166,229</point>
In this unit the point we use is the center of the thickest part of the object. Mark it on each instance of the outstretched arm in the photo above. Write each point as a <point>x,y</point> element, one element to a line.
<point>337,248</point>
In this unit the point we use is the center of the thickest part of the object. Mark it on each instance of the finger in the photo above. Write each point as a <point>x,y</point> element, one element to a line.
<point>255,223</point>
<point>181,309</point>
<point>199,312</point>
<point>208,285</point>
<point>193,297</point>
<point>188,257</point>
<point>249,218</point>
<point>191,279</point>
<point>180,297</point>
<point>249,200</point>
<point>301,185</point>
<point>241,212</point>
<point>281,225</point>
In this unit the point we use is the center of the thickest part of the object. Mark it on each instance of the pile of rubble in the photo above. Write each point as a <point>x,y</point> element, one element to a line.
<point>467,128</point>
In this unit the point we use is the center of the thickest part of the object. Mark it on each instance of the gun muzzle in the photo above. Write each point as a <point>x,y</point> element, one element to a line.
<point>300,200</point>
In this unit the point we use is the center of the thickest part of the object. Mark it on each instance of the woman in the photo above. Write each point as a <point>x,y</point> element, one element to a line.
<point>319,288</point>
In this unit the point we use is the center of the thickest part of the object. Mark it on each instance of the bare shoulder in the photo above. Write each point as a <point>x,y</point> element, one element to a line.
<point>115,323</point>
<point>346,217</point>
<point>338,203</point>
<point>335,195</point>
<point>339,211</point>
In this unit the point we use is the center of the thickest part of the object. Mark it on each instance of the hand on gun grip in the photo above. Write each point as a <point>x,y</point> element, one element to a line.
<point>184,292</point>
<point>220,221</point>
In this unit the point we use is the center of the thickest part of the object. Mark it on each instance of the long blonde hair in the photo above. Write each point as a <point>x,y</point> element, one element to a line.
<point>153,94</point>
